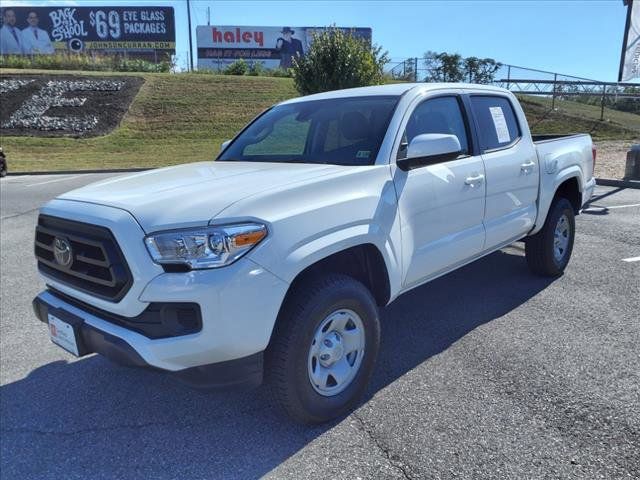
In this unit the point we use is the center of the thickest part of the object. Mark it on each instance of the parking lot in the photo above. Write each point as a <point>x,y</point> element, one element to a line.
<point>488,372</point>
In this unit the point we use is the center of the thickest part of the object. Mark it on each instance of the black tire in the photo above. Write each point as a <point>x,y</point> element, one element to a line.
<point>539,248</point>
<point>286,365</point>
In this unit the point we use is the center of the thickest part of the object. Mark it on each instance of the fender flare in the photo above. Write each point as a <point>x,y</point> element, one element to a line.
<point>549,188</point>
<point>329,243</point>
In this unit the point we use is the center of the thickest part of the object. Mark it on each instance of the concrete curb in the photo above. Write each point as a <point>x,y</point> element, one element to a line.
<point>79,172</point>
<point>618,183</point>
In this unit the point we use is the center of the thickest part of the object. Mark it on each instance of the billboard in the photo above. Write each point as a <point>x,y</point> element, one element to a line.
<point>630,60</point>
<point>139,31</point>
<point>274,47</point>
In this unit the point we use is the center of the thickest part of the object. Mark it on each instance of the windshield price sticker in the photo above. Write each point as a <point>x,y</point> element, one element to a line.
<point>500,124</point>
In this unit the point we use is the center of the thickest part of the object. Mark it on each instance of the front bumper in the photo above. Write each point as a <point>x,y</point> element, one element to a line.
<point>243,372</point>
<point>238,303</point>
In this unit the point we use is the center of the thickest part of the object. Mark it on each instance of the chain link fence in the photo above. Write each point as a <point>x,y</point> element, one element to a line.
<point>560,103</point>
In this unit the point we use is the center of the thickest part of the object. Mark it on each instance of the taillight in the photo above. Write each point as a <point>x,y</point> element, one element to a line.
<point>593,153</point>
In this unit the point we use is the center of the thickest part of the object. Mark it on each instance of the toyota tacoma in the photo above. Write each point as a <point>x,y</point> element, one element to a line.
<point>273,260</point>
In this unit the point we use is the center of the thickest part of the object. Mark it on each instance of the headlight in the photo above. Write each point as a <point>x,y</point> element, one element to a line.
<point>208,247</point>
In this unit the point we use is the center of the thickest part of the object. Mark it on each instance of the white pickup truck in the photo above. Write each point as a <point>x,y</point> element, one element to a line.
<point>274,259</point>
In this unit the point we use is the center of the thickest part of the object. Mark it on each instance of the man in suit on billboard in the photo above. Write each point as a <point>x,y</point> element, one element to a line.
<point>288,47</point>
<point>10,36</point>
<point>35,40</point>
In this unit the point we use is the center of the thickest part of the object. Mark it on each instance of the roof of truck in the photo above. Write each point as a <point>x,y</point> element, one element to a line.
<point>394,89</point>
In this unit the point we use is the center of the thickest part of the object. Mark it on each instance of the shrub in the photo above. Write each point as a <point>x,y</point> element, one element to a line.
<point>338,60</point>
<point>256,69</point>
<point>279,72</point>
<point>239,67</point>
<point>83,61</point>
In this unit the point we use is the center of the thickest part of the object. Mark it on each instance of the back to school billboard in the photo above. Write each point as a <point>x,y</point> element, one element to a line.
<point>138,31</point>
<point>274,47</point>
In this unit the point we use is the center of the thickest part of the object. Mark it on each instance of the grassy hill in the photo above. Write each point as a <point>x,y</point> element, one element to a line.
<point>179,118</point>
<point>174,119</point>
<point>569,116</point>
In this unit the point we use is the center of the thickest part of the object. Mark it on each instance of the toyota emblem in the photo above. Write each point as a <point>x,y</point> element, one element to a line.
<point>62,252</point>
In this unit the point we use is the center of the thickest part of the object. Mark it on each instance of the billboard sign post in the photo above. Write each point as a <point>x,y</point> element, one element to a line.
<point>273,47</point>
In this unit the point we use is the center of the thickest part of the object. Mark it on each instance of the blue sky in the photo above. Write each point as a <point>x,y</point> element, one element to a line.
<point>581,37</point>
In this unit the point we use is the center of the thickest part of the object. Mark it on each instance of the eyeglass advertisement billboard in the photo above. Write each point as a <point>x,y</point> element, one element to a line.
<point>136,30</point>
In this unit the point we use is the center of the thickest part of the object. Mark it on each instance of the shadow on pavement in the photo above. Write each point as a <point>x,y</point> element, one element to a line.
<point>92,419</point>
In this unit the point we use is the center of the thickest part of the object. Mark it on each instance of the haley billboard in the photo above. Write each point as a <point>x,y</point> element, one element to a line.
<point>630,61</point>
<point>273,47</point>
<point>138,31</point>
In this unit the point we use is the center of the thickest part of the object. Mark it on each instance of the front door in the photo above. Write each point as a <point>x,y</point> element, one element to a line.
<point>441,206</point>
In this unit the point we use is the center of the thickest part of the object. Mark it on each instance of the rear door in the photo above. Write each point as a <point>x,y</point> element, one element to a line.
<point>511,164</point>
<point>441,205</point>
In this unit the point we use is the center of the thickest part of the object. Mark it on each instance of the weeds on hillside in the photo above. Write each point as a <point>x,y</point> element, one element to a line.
<point>242,67</point>
<point>82,61</point>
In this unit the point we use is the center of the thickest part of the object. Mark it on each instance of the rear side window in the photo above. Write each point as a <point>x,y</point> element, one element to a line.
<point>497,124</point>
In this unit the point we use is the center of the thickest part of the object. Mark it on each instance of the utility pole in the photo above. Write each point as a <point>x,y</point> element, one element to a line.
<point>208,16</point>
<point>190,63</point>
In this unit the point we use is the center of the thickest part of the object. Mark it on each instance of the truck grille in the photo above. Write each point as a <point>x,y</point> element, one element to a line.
<point>85,257</point>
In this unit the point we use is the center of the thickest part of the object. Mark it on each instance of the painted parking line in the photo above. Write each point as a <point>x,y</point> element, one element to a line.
<point>594,208</point>
<point>631,259</point>
<point>66,177</point>
<point>621,206</point>
<point>14,177</point>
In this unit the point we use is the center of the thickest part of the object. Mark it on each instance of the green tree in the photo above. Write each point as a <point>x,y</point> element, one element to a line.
<point>338,60</point>
<point>444,67</point>
<point>480,70</point>
<point>453,67</point>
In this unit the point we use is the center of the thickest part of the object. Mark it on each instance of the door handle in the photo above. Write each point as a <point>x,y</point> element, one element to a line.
<point>473,180</point>
<point>526,166</point>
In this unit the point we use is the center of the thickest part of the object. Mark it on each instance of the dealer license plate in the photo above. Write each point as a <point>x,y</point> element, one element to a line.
<point>63,334</point>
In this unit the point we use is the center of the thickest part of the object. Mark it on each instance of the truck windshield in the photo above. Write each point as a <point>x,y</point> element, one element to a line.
<point>340,131</point>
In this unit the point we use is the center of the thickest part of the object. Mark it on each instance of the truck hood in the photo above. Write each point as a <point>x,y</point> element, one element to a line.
<point>192,194</point>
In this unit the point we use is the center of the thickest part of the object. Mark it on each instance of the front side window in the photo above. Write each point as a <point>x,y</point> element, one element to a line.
<point>341,131</point>
<point>438,115</point>
<point>497,124</point>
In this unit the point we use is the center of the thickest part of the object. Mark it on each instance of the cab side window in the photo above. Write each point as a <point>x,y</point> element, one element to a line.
<point>497,124</point>
<point>438,115</point>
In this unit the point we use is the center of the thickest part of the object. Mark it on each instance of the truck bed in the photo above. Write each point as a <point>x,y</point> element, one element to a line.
<point>546,137</point>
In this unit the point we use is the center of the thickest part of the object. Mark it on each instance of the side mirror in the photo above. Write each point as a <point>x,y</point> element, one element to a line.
<point>430,148</point>
<point>224,145</point>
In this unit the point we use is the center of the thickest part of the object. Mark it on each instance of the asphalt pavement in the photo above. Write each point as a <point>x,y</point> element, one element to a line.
<point>488,372</point>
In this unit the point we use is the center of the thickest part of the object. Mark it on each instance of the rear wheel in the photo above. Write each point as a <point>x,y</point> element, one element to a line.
<point>323,348</point>
<point>548,251</point>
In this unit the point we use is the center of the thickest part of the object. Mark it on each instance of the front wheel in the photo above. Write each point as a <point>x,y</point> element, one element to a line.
<point>323,348</point>
<point>548,251</point>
